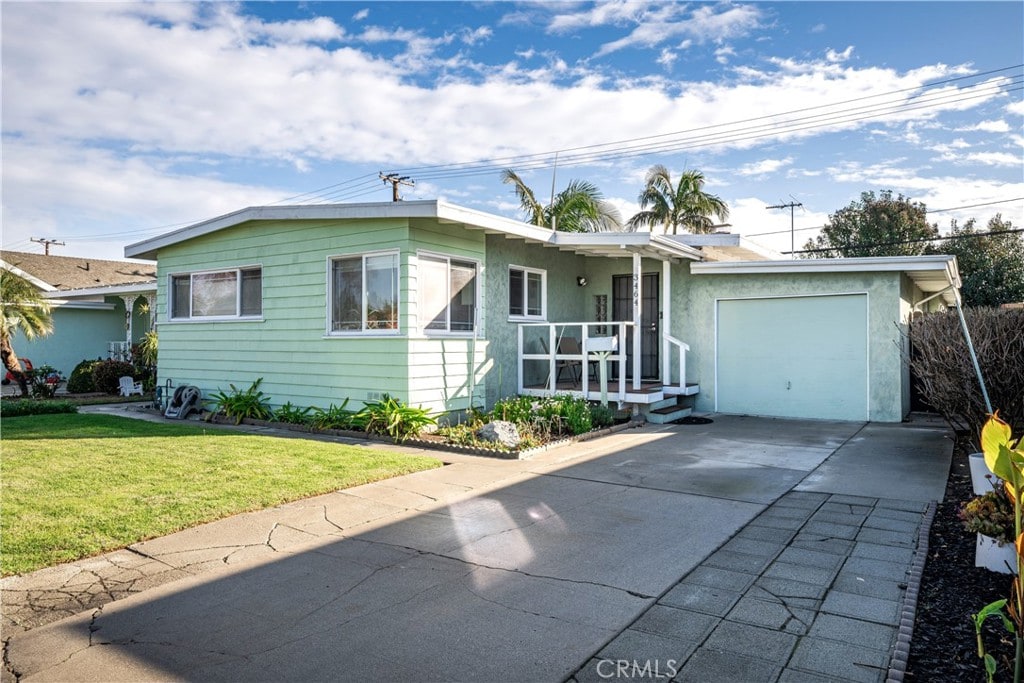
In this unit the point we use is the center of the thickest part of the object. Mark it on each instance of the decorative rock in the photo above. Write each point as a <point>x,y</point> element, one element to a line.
<point>500,431</point>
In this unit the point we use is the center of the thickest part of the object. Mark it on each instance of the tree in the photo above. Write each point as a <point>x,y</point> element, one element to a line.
<point>21,308</point>
<point>580,207</point>
<point>683,205</point>
<point>874,226</point>
<point>991,267</point>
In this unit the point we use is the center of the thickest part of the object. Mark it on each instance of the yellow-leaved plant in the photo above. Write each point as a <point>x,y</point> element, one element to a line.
<point>1005,457</point>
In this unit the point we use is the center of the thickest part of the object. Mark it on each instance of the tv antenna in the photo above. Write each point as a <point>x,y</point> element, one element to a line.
<point>792,232</point>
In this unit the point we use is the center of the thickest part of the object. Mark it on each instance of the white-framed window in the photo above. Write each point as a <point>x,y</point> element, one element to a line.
<point>363,293</point>
<point>447,293</point>
<point>527,293</point>
<point>217,294</point>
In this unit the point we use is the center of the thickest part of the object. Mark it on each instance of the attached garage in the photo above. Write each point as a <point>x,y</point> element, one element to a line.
<point>802,357</point>
<point>808,339</point>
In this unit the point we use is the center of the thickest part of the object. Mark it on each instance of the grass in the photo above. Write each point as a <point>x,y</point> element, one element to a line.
<point>76,485</point>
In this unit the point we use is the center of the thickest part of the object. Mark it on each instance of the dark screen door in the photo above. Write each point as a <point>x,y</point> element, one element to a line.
<point>622,309</point>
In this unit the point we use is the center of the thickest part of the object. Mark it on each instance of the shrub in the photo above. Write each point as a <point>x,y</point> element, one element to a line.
<point>337,417</point>
<point>44,381</point>
<point>80,381</point>
<point>392,417</point>
<point>945,374</point>
<point>107,374</point>
<point>25,406</point>
<point>601,416</point>
<point>518,409</point>
<point>251,404</point>
<point>290,414</point>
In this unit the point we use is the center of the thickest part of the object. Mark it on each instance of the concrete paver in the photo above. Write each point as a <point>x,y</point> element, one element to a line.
<point>738,550</point>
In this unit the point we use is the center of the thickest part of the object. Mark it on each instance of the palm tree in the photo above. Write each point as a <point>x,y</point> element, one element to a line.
<point>21,308</point>
<point>684,205</point>
<point>580,207</point>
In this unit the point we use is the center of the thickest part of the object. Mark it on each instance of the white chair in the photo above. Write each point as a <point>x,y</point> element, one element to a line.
<point>129,386</point>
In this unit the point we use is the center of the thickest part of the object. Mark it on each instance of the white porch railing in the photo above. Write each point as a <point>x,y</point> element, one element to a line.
<point>545,347</point>
<point>668,341</point>
<point>547,350</point>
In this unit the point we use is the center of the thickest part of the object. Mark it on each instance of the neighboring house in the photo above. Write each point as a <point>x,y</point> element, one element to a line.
<point>89,298</point>
<point>448,307</point>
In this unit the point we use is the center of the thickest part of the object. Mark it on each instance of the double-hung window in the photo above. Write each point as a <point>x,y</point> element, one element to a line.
<point>222,294</point>
<point>448,291</point>
<point>364,293</point>
<point>527,292</point>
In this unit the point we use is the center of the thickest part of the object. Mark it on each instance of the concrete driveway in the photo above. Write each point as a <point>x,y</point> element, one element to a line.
<point>522,571</point>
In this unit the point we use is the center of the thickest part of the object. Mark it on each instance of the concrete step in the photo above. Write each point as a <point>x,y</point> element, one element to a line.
<point>666,415</point>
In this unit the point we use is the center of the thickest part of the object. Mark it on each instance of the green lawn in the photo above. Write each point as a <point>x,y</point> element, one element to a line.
<point>75,485</point>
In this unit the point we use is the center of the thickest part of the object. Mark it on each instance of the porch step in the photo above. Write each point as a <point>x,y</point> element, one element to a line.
<point>668,410</point>
<point>688,390</point>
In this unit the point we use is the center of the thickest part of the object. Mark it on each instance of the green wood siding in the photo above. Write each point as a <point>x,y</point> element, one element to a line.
<point>290,348</point>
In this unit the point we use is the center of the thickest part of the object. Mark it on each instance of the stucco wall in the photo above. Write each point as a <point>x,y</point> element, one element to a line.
<point>565,302</point>
<point>886,395</point>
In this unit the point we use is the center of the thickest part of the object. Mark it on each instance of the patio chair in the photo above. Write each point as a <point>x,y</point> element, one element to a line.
<point>571,347</point>
<point>129,386</point>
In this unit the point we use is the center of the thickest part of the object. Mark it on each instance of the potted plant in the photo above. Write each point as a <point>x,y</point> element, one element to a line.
<point>982,478</point>
<point>990,516</point>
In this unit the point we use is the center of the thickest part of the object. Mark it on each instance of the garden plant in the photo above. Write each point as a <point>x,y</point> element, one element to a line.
<point>1005,457</point>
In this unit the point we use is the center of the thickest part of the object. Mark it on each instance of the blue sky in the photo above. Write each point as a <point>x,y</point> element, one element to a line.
<point>122,121</point>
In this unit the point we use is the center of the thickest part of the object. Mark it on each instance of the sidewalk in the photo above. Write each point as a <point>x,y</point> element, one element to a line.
<point>743,550</point>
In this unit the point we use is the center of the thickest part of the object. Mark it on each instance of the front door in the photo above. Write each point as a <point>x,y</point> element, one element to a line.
<point>622,309</point>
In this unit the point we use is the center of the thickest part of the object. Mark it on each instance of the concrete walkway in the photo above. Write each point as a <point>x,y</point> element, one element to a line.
<point>746,549</point>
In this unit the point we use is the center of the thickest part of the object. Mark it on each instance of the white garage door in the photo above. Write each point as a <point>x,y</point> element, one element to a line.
<point>804,357</point>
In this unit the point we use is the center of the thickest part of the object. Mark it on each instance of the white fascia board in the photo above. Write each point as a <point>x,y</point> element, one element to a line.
<point>44,286</point>
<point>132,289</point>
<point>906,264</point>
<point>599,243</point>
<point>836,265</point>
<point>439,210</point>
<point>82,305</point>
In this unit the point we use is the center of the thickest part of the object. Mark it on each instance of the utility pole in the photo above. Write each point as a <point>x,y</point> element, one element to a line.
<point>395,181</point>
<point>792,232</point>
<point>46,244</point>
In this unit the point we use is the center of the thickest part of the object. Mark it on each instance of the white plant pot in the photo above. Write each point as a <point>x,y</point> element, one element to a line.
<point>992,556</point>
<point>982,478</point>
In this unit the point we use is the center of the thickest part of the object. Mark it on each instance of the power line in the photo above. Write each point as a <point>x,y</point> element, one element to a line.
<point>994,233</point>
<point>956,208</point>
<point>675,141</point>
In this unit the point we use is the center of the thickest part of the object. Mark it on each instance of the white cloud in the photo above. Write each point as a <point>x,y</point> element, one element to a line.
<point>818,28</point>
<point>658,23</point>
<point>998,126</point>
<point>995,159</point>
<point>764,167</point>
<point>1016,107</point>
<point>833,56</point>
<point>667,58</point>
<point>476,36</point>
<point>722,54</point>
<point>96,183</point>
<point>361,14</point>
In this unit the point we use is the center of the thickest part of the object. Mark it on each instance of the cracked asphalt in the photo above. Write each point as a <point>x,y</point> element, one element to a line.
<point>746,549</point>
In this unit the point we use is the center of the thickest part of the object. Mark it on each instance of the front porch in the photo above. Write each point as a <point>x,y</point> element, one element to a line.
<point>589,360</point>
